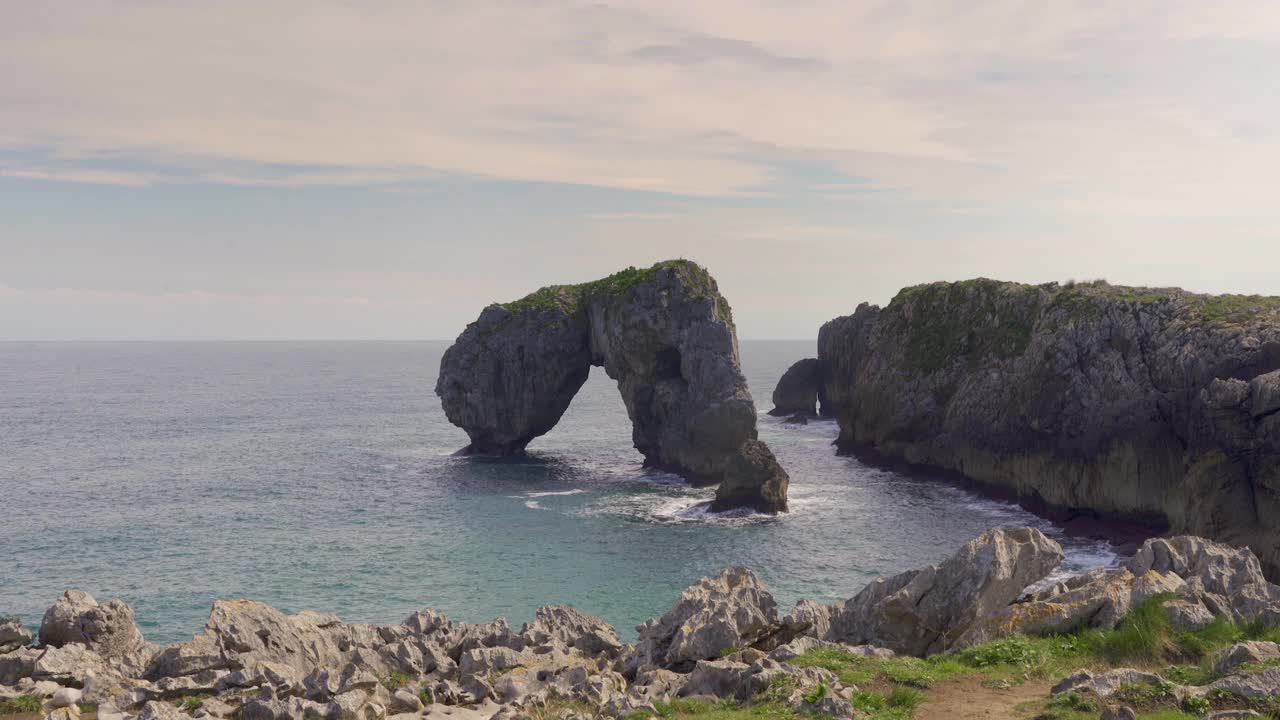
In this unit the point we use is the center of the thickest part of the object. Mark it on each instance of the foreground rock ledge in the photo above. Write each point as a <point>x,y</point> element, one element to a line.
<point>724,637</point>
<point>665,334</point>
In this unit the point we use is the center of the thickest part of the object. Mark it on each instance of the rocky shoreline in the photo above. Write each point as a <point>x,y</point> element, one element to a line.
<point>725,639</point>
<point>1151,405</point>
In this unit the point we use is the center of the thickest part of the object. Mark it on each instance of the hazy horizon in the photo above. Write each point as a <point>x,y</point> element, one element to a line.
<point>327,170</point>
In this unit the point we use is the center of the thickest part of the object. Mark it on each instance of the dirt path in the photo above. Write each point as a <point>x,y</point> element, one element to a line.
<point>966,699</point>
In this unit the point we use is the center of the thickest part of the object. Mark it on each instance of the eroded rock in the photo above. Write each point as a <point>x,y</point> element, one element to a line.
<point>798,389</point>
<point>664,334</point>
<point>731,610</point>
<point>921,612</point>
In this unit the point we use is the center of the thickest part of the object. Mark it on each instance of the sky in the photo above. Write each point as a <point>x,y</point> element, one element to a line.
<point>307,169</point>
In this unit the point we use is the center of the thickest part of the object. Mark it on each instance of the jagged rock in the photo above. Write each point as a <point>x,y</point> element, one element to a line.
<point>17,664</point>
<point>926,611</point>
<point>403,701</point>
<point>731,610</point>
<point>108,628</point>
<point>13,635</point>
<point>1227,579</point>
<point>1264,684</point>
<point>1132,402</point>
<point>722,679</point>
<point>585,633</point>
<point>487,660</point>
<point>1188,614</point>
<point>68,664</point>
<point>1105,684</point>
<point>1100,598</point>
<point>798,389</point>
<point>201,654</point>
<point>1207,580</point>
<point>293,708</point>
<point>664,334</point>
<point>63,713</point>
<point>161,711</point>
<point>1253,651</point>
<point>1119,712</point>
<point>210,707</point>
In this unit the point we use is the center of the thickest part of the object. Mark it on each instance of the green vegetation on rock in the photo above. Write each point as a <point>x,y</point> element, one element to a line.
<point>971,321</point>
<point>572,298</point>
<point>20,704</point>
<point>974,321</point>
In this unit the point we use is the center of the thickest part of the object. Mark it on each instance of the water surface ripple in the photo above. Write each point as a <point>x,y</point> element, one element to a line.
<point>322,475</point>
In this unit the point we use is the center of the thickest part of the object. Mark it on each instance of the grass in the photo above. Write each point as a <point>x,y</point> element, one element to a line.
<point>191,703</point>
<point>20,704</point>
<point>395,681</point>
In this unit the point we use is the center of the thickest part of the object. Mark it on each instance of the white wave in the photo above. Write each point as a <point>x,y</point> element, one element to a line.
<point>553,493</point>
<point>534,505</point>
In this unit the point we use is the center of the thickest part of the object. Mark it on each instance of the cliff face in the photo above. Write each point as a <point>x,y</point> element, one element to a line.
<point>1154,404</point>
<point>665,334</point>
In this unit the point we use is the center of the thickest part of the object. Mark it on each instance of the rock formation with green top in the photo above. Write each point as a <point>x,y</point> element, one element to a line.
<point>665,334</point>
<point>1143,403</point>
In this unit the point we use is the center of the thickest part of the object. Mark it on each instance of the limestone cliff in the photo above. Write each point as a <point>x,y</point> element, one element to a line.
<point>665,334</point>
<point>1154,404</point>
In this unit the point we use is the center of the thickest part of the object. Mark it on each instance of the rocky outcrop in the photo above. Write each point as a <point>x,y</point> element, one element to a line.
<point>1139,403</point>
<point>1202,580</point>
<point>723,638</point>
<point>665,334</point>
<point>730,611</point>
<point>799,389</point>
<point>107,629</point>
<point>921,612</point>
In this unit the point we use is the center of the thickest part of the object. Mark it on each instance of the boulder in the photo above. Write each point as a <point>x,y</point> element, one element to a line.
<point>664,334</point>
<point>1107,683</point>
<point>107,629</point>
<point>1223,578</point>
<point>1100,598</point>
<point>13,635</point>
<point>1253,651</point>
<point>733,610</point>
<point>926,611</point>
<point>798,389</point>
<point>573,629</point>
<point>1253,686</point>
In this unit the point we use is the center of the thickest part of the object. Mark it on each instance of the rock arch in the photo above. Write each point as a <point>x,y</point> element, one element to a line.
<point>664,334</point>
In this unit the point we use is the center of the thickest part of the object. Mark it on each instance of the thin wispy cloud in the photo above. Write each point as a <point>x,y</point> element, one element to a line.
<point>514,144</point>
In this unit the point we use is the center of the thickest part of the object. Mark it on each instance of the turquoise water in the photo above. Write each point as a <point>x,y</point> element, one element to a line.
<point>321,475</point>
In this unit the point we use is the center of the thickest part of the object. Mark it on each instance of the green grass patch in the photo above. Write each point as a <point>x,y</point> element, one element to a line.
<point>395,681</point>
<point>20,704</point>
<point>190,703</point>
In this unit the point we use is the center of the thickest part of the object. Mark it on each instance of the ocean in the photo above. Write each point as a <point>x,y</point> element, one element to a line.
<point>323,475</point>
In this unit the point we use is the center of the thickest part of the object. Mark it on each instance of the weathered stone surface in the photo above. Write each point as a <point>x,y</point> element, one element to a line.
<point>1265,684</point>
<point>1206,580</point>
<point>1253,651</point>
<point>108,629</point>
<point>664,334</point>
<point>798,389</point>
<point>585,633</point>
<point>925,611</point>
<point>1105,684</point>
<point>1119,712</point>
<point>1143,403</point>
<point>731,610</point>
<point>1227,579</point>
<point>13,635</point>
